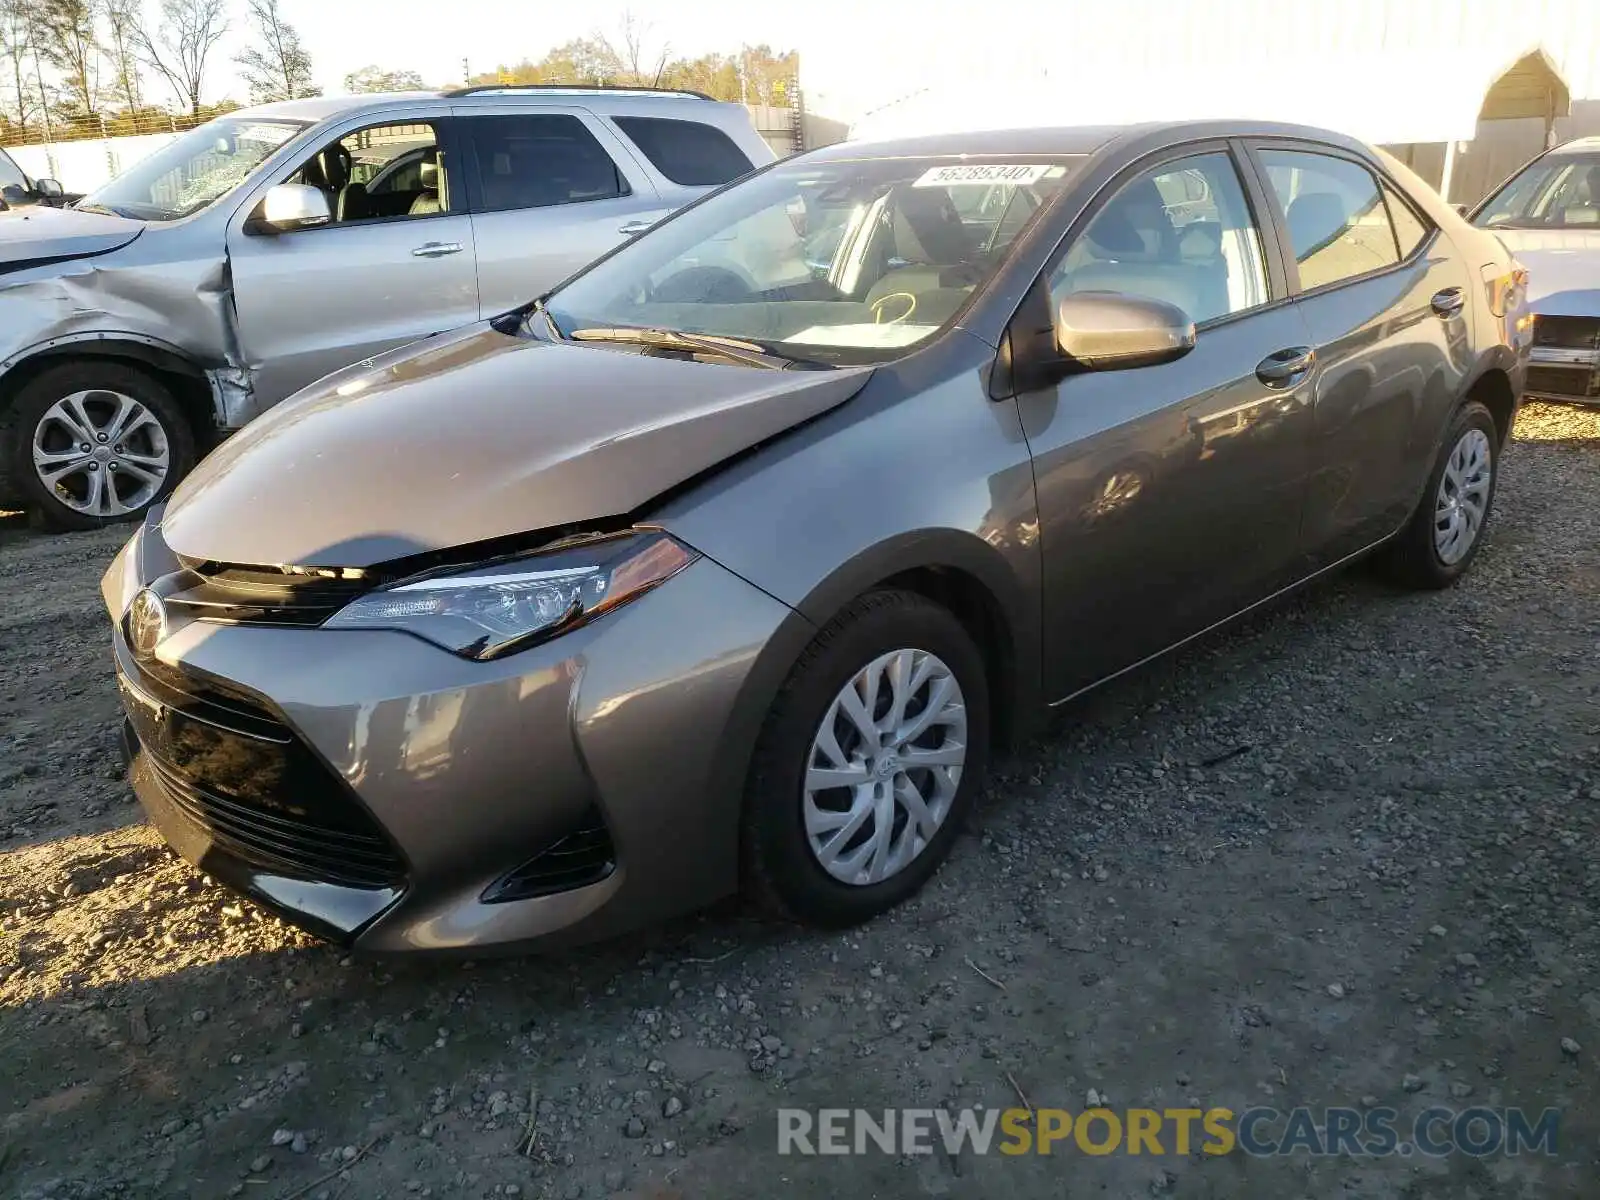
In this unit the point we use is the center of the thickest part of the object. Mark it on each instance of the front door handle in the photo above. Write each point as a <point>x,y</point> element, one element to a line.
<point>1448,302</point>
<point>437,249</point>
<point>634,228</point>
<point>1287,367</point>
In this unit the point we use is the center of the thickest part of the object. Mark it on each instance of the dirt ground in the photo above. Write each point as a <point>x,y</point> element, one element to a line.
<point>1343,855</point>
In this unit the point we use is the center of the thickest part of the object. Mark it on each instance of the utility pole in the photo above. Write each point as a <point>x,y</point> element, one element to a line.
<point>466,74</point>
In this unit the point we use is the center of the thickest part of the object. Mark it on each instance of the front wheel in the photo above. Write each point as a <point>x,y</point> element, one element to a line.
<point>1441,540</point>
<point>89,443</point>
<point>868,763</point>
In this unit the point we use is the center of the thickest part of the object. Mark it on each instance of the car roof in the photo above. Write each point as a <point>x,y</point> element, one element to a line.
<point>321,108</point>
<point>1074,139</point>
<point>1583,145</point>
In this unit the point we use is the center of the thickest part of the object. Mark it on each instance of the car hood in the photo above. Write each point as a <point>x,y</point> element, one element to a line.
<point>1563,269</point>
<point>38,234</point>
<point>476,435</point>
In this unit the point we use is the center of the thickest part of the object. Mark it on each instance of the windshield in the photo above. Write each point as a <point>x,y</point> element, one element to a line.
<point>843,261</point>
<point>1557,192</point>
<point>198,168</point>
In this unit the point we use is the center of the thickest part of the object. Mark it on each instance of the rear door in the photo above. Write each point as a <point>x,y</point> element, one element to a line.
<point>390,268</point>
<point>551,190</point>
<point>1384,297</point>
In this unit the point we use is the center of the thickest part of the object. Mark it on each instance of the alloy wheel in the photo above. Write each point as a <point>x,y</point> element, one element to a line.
<point>885,766</point>
<point>1463,497</point>
<point>101,453</point>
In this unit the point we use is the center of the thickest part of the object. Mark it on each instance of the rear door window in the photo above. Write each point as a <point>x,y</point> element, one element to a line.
<point>1410,230</point>
<point>1338,225</point>
<point>538,160</point>
<point>686,152</point>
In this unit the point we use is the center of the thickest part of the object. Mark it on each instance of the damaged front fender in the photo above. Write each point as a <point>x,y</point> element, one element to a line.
<point>183,309</point>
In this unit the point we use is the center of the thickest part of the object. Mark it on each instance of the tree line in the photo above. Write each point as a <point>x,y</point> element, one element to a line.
<point>91,68</point>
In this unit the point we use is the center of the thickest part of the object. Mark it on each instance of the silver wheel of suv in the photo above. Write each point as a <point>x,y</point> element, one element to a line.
<point>1463,497</point>
<point>884,767</point>
<point>101,453</point>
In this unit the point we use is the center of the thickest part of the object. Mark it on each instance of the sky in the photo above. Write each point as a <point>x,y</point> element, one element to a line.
<point>431,37</point>
<point>857,55</point>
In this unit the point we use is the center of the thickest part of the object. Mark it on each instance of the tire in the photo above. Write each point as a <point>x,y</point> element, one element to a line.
<point>1415,558</point>
<point>158,451</point>
<point>781,870</point>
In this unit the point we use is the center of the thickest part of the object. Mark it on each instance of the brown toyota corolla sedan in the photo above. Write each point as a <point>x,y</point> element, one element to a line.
<point>731,561</point>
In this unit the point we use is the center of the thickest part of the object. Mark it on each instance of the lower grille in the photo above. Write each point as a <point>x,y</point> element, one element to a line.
<point>1575,382</point>
<point>581,858</point>
<point>298,849</point>
<point>234,771</point>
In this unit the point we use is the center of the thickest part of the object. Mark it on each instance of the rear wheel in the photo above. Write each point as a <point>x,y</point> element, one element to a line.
<point>868,763</point>
<point>87,444</point>
<point>1441,540</point>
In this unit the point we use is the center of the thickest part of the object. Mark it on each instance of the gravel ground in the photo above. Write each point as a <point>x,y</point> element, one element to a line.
<point>1344,854</point>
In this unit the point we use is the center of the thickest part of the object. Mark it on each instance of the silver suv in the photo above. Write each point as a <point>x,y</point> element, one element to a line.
<point>257,253</point>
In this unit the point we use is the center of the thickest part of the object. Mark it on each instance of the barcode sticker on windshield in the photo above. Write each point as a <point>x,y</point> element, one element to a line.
<point>1020,174</point>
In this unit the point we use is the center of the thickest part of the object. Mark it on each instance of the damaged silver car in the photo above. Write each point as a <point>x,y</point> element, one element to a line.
<point>256,254</point>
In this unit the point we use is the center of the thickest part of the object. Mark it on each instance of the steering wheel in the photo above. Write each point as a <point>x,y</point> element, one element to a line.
<point>704,285</point>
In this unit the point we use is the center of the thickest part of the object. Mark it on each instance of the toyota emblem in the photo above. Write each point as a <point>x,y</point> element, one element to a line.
<point>147,623</point>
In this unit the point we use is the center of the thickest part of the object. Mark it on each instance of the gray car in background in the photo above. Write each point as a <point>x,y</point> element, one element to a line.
<point>722,565</point>
<point>257,253</point>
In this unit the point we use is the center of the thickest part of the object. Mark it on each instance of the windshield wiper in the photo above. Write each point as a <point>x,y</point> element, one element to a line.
<point>752,354</point>
<point>98,208</point>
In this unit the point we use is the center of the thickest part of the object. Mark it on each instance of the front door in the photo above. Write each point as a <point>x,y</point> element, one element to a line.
<point>394,265</point>
<point>1170,496</point>
<point>552,190</point>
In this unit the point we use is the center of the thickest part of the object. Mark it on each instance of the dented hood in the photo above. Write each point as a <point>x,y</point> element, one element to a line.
<point>39,234</point>
<point>476,435</point>
<point>1563,269</point>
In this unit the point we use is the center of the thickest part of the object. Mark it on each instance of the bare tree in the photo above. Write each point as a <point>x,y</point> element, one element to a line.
<point>376,79</point>
<point>641,67</point>
<point>280,68</point>
<point>66,37</point>
<point>122,17</point>
<point>16,46</point>
<point>182,41</point>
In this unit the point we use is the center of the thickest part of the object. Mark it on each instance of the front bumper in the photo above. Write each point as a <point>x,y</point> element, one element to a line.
<point>1564,362</point>
<point>377,790</point>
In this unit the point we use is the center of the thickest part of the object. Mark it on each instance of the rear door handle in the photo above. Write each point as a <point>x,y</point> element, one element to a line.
<point>1287,367</point>
<point>634,228</point>
<point>437,249</point>
<point>1448,302</point>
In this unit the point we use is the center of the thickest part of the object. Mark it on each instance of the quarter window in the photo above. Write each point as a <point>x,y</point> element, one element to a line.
<point>686,152</point>
<point>1182,233</point>
<point>1338,225</point>
<point>537,161</point>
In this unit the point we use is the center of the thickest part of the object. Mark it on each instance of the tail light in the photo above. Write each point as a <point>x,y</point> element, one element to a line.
<point>1506,289</point>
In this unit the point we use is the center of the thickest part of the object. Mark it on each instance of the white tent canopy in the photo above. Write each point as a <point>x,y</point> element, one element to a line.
<point>1385,98</point>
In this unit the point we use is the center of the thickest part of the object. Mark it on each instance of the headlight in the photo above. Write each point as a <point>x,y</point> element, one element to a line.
<point>492,611</point>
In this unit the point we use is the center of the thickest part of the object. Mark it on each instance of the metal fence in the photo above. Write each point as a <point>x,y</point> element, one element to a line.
<point>39,133</point>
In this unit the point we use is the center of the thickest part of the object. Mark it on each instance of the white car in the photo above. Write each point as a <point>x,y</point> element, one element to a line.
<point>1548,215</point>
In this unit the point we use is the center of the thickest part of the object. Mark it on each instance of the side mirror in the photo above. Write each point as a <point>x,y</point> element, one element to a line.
<point>48,189</point>
<point>294,206</point>
<point>1106,331</point>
